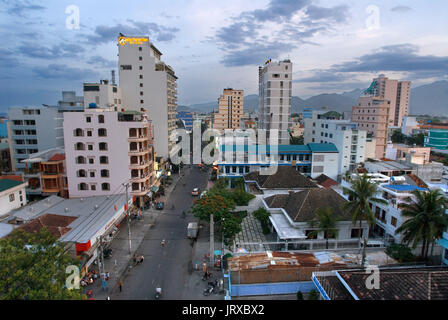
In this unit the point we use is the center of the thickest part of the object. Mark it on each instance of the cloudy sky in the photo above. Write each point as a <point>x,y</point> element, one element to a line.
<point>336,45</point>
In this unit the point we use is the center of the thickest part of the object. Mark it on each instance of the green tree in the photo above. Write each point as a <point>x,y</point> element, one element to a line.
<point>33,267</point>
<point>230,227</point>
<point>426,219</point>
<point>417,139</point>
<point>214,202</point>
<point>398,137</point>
<point>360,196</point>
<point>326,222</point>
<point>296,140</point>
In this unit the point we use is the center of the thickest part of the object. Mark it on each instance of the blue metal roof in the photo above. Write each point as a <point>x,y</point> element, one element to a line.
<point>404,187</point>
<point>284,148</point>
<point>322,147</point>
<point>443,242</point>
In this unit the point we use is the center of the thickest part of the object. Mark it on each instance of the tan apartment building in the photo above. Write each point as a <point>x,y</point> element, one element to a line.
<point>372,115</point>
<point>230,110</point>
<point>383,105</point>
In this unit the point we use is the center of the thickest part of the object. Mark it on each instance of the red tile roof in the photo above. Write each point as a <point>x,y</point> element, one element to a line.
<point>57,157</point>
<point>56,224</point>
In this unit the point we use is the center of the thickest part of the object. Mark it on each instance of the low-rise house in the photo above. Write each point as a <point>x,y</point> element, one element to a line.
<point>325,181</point>
<point>395,283</point>
<point>292,213</point>
<point>285,179</point>
<point>12,194</point>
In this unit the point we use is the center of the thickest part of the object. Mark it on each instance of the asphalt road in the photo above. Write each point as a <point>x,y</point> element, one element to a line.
<point>166,267</point>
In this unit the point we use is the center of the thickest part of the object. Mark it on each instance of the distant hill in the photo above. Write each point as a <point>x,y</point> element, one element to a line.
<point>426,99</point>
<point>430,99</point>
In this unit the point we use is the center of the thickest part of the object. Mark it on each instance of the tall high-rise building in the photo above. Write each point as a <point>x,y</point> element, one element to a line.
<point>146,81</point>
<point>274,99</point>
<point>383,105</point>
<point>230,110</point>
<point>397,92</point>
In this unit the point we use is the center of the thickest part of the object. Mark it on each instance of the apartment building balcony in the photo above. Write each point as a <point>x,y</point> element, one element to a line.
<point>138,138</point>
<point>50,174</point>
<point>140,178</point>
<point>141,164</point>
<point>139,190</point>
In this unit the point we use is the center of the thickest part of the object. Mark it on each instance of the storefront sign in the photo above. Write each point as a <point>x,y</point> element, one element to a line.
<point>124,40</point>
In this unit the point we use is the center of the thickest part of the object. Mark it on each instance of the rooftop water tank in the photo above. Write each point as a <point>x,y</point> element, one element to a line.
<point>92,105</point>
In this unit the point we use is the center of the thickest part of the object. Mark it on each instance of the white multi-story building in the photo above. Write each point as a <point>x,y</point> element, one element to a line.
<point>147,82</point>
<point>103,95</point>
<point>274,99</point>
<point>388,216</point>
<point>350,141</point>
<point>105,149</point>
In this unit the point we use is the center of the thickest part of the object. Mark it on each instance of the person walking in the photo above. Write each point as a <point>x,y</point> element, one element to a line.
<point>162,243</point>
<point>120,285</point>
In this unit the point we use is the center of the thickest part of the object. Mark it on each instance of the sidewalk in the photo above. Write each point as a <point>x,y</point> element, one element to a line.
<point>120,260</point>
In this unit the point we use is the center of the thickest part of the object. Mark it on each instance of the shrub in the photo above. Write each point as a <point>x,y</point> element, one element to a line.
<point>262,215</point>
<point>400,252</point>
<point>299,295</point>
<point>313,295</point>
<point>241,197</point>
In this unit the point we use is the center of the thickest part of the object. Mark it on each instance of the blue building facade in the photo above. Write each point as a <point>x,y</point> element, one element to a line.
<point>312,159</point>
<point>4,129</point>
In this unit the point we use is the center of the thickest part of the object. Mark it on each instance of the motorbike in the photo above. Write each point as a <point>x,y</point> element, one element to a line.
<point>107,253</point>
<point>157,295</point>
<point>212,287</point>
<point>206,276</point>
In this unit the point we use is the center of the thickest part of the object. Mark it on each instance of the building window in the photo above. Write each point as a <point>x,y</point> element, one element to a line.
<point>104,160</point>
<point>318,169</point>
<point>355,233</point>
<point>126,67</point>
<point>141,101</point>
<point>92,174</point>
<point>91,160</point>
<point>80,160</point>
<point>82,186</point>
<point>140,68</point>
<point>11,197</point>
<point>139,48</point>
<point>102,132</point>
<point>89,133</point>
<point>93,187</point>
<point>141,76</point>
<point>90,147</point>
<point>88,119</point>
<point>393,221</point>
<point>105,187</point>
<point>79,146</point>
<point>100,118</point>
<point>103,146</point>
<point>311,234</point>
<point>104,173</point>
<point>78,132</point>
<point>81,173</point>
<point>140,58</point>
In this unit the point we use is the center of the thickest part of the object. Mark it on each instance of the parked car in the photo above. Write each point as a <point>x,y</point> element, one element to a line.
<point>160,205</point>
<point>195,192</point>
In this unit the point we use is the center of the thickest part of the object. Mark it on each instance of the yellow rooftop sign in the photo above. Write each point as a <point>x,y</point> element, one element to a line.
<point>123,40</point>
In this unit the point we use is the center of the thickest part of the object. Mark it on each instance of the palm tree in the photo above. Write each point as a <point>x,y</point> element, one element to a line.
<point>426,219</point>
<point>326,223</point>
<point>361,194</point>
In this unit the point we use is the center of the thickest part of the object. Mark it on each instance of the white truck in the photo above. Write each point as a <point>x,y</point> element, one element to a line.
<point>192,230</point>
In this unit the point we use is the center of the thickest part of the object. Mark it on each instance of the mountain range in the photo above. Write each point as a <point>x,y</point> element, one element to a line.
<point>429,99</point>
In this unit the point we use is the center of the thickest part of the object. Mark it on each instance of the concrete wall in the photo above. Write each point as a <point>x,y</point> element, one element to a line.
<point>6,205</point>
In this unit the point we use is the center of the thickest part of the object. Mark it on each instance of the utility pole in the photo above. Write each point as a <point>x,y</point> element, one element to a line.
<point>129,217</point>
<point>212,241</point>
